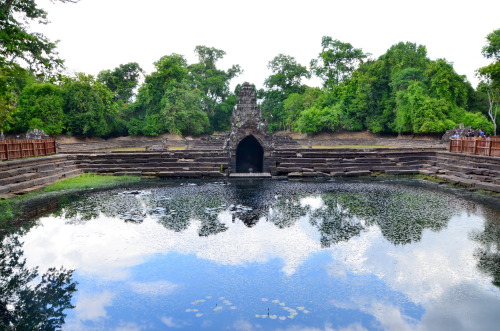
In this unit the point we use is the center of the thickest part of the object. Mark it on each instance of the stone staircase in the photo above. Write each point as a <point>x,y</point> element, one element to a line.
<point>27,175</point>
<point>190,164</point>
<point>338,162</point>
<point>476,171</point>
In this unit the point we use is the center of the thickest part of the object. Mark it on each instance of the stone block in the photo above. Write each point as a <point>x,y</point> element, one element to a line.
<point>402,172</point>
<point>358,173</point>
<point>488,186</point>
<point>295,174</point>
<point>337,173</point>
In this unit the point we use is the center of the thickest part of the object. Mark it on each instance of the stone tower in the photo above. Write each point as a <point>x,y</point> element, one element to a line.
<point>248,143</point>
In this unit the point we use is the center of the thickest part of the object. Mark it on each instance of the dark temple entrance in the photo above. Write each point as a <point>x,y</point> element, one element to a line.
<point>249,155</point>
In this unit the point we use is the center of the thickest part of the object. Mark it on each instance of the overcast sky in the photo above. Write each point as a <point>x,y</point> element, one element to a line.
<point>102,34</point>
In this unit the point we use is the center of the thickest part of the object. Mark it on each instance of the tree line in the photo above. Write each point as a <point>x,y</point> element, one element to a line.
<point>402,91</point>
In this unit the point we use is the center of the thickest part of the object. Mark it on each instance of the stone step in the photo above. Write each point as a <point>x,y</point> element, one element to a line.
<point>42,181</point>
<point>402,172</point>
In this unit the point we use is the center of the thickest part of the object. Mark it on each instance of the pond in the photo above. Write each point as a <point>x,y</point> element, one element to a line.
<point>364,254</point>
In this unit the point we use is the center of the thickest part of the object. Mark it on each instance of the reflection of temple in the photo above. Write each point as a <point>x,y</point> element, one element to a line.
<point>251,195</point>
<point>248,143</point>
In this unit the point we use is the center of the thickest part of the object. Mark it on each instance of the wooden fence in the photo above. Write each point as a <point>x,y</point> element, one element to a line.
<point>18,149</point>
<point>477,146</point>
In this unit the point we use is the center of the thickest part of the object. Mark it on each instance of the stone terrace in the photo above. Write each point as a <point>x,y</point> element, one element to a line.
<point>480,172</point>
<point>27,175</point>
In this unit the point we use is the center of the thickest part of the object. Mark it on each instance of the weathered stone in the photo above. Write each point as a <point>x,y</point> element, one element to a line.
<point>357,173</point>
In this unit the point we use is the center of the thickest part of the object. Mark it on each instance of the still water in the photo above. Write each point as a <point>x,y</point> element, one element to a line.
<point>271,255</point>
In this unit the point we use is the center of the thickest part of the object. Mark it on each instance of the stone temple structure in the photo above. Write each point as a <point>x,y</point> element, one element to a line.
<point>248,143</point>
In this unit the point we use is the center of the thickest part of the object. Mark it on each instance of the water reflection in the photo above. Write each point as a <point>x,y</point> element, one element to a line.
<point>340,213</point>
<point>276,255</point>
<point>488,254</point>
<point>29,301</point>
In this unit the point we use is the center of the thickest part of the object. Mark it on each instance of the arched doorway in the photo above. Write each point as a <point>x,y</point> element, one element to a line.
<point>249,155</point>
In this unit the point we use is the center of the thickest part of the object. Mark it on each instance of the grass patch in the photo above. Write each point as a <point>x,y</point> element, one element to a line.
<point>87,181</point>
<point>176,148</point>
<point>346,146</point>
<point>7,210</point>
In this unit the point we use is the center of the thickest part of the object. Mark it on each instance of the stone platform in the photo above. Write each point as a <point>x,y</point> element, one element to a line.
<point>478,172</point>
<point>250,175</point>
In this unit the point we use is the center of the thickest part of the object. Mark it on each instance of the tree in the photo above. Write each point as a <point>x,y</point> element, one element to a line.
<point>286,78</point>
<point>336,62</point>
<point>144,113</point>
<point>490,76</point>
<point>296,103</point>
<point>20,49</point>
<point>122,81</point>
<point>17,44</point>
<point>28,301</point>
<point>88,106</point>
<point>213,83</point>
<point>40,107</point>
<point>8,99</point>
<point>182,110</point>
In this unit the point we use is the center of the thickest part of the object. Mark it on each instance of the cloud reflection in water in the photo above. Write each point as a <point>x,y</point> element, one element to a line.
<point>388,247</point>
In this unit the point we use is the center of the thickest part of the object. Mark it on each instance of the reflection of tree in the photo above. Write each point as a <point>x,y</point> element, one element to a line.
<point>286,210</point>
<point>335,223</point>
<point>488,254</point>
<point>27,301</point>
<point>402,213</point>
<point>176,212</point>
<point>402,216</point>
<point>125,206</point>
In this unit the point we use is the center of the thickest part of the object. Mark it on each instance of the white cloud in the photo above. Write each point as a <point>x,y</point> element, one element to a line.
<point>422,271</point>
<point>92,306</point>
<point>129,327</point>
<point>327,327</point>
<point>242,325</point>
<point>169,321</point>
<point>108,247</point>
<point>438,269</point>
<point>161,287</point>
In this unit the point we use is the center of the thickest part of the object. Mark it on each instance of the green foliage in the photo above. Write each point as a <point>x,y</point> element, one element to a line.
<point>8,100</point>
<point>492,49</point>
<point>213,83</point>
<point>182,110</point>
<point>88,106</point>
<point>336,62</point>
<point>87,181</point>
<point>7,210</point>
<point>17,44</point>
<point>296,103</point>
<point>314,119</point>
<point>40,107</point>
<point>401,91</point>
<point>286,79</point>
<point>184,99</point>
<point>490,76</point>
<point>122,81</point>
<point>221,119</point>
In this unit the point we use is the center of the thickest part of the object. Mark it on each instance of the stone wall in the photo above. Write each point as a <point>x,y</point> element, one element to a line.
<point>337,162</point>
<point>183,163</point>
<point>480,172</point>
<point>27,175</point>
